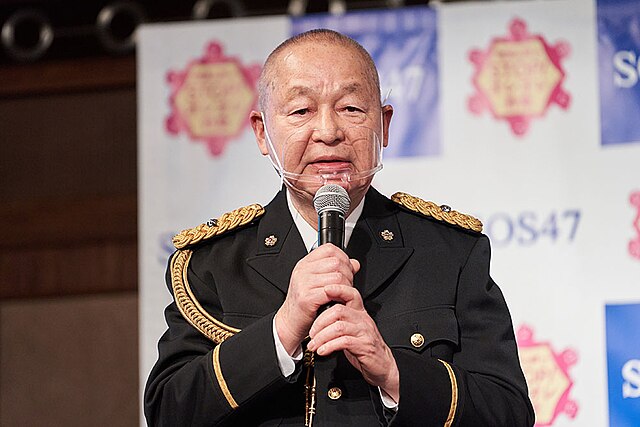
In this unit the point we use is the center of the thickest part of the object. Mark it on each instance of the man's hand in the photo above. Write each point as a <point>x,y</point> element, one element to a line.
<point>348,327</point>
<point>325,266</point>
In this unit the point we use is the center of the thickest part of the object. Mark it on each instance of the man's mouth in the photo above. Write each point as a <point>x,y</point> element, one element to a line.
<point>330,164</point>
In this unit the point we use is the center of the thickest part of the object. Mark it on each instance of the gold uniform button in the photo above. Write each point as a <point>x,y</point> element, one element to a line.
<point>334,393</point>
<point>417,340</point>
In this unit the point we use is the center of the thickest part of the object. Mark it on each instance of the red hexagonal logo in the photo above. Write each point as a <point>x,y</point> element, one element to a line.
<point>634,244</point>
<point>547,374</point>
<point>518,77</point>
<point>212,97</point>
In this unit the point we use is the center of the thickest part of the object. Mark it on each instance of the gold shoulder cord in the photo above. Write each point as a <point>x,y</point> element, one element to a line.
<point>441,213</point>
<point>186,301</point>
<point>189,306</point>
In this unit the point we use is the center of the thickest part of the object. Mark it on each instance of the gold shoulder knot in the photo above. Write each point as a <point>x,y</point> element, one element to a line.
<point>216,227</point>
<point>441,213</point>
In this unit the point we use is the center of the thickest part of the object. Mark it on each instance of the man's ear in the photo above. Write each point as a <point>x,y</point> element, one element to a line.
<point>257,123</point>
<point>387,112</point>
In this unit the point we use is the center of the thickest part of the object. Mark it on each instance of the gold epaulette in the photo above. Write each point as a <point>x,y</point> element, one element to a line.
<point>185,299</point>
<point>216,227</point>
<point>441,213</point>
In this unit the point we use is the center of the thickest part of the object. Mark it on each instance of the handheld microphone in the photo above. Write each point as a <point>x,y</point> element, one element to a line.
<point>331,203</point>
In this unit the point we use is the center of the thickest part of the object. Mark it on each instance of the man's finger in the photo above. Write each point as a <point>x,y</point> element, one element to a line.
<point>326,250</point>
<point>355,265</point>
<point>345,294</point>
<point>327,265</point>
<point>344,342</point>
<point>335,313</point>
<point>333,331</point>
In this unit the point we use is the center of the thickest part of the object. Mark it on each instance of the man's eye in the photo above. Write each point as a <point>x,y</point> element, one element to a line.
<point>352,109</point>
<point>300,112</point>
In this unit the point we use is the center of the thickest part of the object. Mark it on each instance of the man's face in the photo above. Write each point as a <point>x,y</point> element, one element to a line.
<point>324,115</point>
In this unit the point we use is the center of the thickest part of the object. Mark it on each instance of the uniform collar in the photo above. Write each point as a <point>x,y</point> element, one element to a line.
<point>310,235</point>
<point>278,244</point>
<point>378,244</point>
<point>376,241</point>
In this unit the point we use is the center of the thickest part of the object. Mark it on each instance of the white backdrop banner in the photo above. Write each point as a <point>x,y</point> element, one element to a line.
<point>498,114</point>
<point>197,155</point>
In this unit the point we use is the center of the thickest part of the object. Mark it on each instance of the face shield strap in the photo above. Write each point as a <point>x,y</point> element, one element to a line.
<point>272,152</point>
<point>345,176</point>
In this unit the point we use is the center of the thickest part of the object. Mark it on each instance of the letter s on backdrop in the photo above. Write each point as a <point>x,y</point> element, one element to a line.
<point>631,375</point>
<point>626,71</point>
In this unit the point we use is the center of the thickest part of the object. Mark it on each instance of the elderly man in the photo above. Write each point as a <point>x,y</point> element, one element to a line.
<point>404,327</point>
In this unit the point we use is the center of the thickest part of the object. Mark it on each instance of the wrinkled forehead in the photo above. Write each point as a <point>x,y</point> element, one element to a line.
<point>300,88</point>
<point>310,68</point>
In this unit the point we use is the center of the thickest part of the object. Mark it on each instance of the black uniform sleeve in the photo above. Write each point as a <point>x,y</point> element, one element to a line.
<point>482,384</point>
<point>196,382</point>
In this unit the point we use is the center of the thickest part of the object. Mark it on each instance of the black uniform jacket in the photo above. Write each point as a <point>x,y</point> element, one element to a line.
<point>424,282</point>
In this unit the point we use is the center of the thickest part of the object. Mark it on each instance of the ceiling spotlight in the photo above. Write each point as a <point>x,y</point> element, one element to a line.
<point>26,35</point>
<point>116,26</point>
<point>299,7</point>
<point>207,9</point>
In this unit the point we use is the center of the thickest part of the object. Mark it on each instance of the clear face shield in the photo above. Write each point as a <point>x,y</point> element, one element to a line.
<point>307,157</point>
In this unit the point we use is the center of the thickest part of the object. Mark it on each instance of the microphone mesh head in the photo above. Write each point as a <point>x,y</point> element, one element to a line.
<point>331,197</point>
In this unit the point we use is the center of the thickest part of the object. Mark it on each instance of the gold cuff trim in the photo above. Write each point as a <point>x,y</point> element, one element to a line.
<point>441,213</point>
<point>221,382</point>
<point>189,306</point>
<point>454,394</point>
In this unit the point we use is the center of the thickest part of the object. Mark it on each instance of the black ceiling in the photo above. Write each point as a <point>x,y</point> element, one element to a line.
<point>43,30</point>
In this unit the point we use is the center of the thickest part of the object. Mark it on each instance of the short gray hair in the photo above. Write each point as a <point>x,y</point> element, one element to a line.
<point>266,80</point>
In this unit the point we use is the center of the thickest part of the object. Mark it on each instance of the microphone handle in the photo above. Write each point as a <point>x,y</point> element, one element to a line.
<point>331,228</point>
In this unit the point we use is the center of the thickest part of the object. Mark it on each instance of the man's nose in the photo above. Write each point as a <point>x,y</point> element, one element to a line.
<point>327,129</point>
